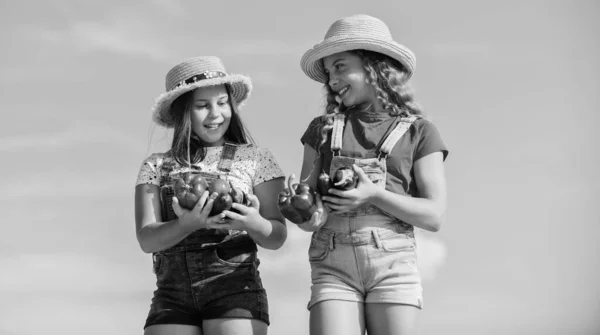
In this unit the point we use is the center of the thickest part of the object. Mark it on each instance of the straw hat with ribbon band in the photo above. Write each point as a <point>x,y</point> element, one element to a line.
<point>194,73</point>
<point>352,33</point>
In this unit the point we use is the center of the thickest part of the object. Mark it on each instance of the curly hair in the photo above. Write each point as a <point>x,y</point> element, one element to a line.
<point>388,77</point>
<point>186,147</point>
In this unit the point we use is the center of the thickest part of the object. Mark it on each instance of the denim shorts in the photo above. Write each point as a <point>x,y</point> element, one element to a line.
<point>198,283</point>
<point>368,259</point>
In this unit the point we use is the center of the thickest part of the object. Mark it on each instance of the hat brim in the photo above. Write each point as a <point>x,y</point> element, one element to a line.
<point>311,60</point>
<point>241,87</point>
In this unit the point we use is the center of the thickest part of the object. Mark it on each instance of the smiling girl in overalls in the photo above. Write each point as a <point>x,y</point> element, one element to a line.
<point>362,252</point>
<point>207,278</point>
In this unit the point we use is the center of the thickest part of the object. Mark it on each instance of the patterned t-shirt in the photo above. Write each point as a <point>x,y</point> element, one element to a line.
<point>251,166</point>
<point>365,131</point>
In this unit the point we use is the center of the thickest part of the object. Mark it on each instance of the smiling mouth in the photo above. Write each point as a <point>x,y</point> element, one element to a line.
<point>212,126</point>
<point>343,91</point>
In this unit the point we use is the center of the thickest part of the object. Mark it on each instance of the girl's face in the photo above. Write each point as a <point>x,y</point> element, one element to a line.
<point>211,114</point>
<point>348,78</point>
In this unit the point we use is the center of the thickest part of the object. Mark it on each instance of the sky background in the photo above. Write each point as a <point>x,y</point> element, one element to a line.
<point>513,87</point>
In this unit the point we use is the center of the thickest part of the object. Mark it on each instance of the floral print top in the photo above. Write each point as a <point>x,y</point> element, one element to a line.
<point>251,166</point>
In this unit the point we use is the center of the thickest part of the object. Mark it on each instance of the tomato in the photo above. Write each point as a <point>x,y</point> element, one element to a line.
<point>324,184</point>
<point>224,200</point>
<point>297,202</point>
<point>345,179</point>
<point>188,189</point>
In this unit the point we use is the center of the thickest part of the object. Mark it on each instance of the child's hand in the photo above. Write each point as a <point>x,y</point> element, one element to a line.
<point>318,218</point>
<point>196,218</point>
<point>249,217</point>
<point>343,201</point>
<point>179,211</point>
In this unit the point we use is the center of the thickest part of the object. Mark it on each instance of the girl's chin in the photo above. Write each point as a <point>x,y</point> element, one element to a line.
<point>350,102</point>
<point>212,141</point>
<point>358,104</point>
<point>344,102</point>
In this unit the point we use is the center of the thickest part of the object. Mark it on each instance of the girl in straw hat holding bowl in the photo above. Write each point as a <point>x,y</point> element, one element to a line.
<point>205,263</point>
<point>362,252</point>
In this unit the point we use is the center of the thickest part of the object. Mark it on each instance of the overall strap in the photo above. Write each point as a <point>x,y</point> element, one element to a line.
<point>338,132</point>
<point>225,165</point>
<point>226,161</point>
<point>396,134</point>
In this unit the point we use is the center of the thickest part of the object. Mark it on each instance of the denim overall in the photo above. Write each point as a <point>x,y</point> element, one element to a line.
<point>365,255</point>
<point>212,273</point>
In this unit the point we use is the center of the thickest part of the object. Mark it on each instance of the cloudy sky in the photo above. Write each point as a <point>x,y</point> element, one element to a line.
<point>512,86</point>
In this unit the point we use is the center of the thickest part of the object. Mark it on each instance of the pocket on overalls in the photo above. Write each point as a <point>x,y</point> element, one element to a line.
<point>397,243</point>
<point>374,171</point>
<point>235,256</point>
<point>157,263</point>
<point>318,250</point>
<point>397,252</point>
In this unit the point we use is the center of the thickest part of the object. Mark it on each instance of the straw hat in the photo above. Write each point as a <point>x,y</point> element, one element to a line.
<point>352,33</point>
<point>191,74</point>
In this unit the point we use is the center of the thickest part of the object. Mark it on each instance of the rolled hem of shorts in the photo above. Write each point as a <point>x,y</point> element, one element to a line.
<point>401,300</point>
<point>333,296</point>
<point>237,314</point>
<point>171,321</point>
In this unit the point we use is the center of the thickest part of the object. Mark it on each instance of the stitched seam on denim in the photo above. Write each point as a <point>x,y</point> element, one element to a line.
<point>191,280</point>
<point>367,208</point>
<point>332,242</point>
<point>356,261</point>
<point>396,134</point>
<point>237,265</point>
<point>377,239</point>
<point>338,132</point>
<point>227,155</point>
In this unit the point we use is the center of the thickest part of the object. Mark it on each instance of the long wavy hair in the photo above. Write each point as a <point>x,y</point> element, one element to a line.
<point>389,78</point>
<point>186,147</point>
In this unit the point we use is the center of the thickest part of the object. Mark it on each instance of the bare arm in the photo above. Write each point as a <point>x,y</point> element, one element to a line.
<point>311,167</point>
<point>153,235</point>
<point>310,158</point>
<point>424,212</point>
<point>274,232</point>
